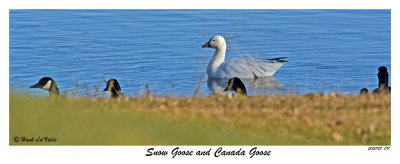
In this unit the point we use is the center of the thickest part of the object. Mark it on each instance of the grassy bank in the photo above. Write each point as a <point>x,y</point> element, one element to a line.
<point>256,120</point>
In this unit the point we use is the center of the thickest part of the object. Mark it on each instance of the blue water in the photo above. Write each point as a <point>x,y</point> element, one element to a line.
<point>327,50</point>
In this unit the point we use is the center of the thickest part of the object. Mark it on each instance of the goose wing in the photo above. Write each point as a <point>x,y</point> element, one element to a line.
<point>248,68</point>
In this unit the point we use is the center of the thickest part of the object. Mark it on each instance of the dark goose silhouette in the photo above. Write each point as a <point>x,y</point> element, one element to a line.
<point>383,85</point>
<point>114,88</point>
<point>48,84</point>
<point>235,84</point>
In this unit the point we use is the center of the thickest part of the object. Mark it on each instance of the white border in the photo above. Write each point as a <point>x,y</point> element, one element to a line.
<point>200,4</point>
<point>136,154</point>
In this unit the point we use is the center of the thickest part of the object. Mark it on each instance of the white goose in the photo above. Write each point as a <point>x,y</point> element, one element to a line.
<point>219,68</point>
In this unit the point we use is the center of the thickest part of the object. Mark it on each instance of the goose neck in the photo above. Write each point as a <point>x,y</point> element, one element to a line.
<point>115,93</point>
<point>219,55</point>
<point>53,90</point>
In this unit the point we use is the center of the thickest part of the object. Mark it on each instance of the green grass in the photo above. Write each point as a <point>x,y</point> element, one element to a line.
<point>219,120</point>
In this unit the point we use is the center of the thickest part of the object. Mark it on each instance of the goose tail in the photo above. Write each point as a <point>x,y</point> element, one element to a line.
<point>279,59</point>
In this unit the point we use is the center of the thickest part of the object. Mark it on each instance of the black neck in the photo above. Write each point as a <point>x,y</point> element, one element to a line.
<point>384,81</point>
<point>53,91</point>
<point>115,93</point>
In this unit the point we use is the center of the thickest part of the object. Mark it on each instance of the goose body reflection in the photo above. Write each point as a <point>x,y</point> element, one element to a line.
<point>218,85</point>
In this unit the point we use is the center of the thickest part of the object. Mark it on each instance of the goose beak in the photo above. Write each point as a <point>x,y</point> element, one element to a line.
<point>106,89</point>
<point>206,45</point>
<point>226,89</point>
<point>35,86</point>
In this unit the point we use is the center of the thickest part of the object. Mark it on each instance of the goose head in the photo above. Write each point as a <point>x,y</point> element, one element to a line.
<point>364,91</point>
<point>215,42</point>
<point>383,77</point>
<point>48,84</point>
<point>113,87</point>
<point>235,84</point>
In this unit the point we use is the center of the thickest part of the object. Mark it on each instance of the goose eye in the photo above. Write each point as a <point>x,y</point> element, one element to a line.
<point>213,40</point>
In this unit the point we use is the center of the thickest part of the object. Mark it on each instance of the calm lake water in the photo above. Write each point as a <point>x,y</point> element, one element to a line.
<point>327,50</point>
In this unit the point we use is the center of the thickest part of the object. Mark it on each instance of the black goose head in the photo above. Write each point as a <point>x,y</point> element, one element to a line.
<point>113,87</point>
<point>364,91</point>
<point>235,84</point>
<point>383,77</point>
<point>48,84</point>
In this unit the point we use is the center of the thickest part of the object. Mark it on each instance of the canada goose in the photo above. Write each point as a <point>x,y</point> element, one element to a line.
<point>364,91</point>
<point>383,85</point>
<point>235,84</point>
<point>48,84</point>
<point>114,88</point>
<point>219,68</point>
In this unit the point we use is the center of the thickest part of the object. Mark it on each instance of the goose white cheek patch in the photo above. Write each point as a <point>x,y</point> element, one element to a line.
<point>48,84</point>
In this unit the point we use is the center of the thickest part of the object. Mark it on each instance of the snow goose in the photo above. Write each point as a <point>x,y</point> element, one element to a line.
<point>383,85</point>
<point>219,68</point>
